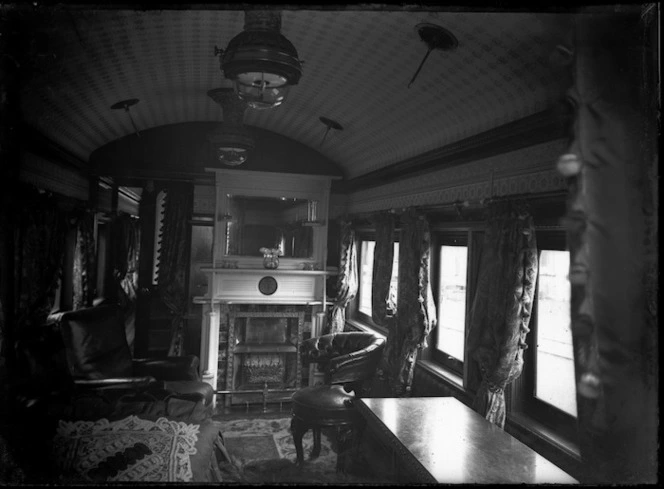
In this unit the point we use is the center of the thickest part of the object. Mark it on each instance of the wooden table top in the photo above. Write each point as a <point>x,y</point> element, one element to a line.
<point>442,440</point>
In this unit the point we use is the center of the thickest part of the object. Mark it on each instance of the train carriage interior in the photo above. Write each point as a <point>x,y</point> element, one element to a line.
<point>366,244</point>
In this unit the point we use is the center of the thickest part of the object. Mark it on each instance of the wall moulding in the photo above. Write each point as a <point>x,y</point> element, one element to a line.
<point>544,126</point>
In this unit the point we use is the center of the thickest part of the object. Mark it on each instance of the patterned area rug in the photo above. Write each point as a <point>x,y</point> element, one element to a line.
<point>262,451</point>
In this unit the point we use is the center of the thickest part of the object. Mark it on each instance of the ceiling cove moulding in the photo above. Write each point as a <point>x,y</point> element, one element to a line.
<point>547,125</point>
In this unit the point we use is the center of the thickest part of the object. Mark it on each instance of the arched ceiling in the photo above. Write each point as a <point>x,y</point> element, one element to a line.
<point>357,66</point>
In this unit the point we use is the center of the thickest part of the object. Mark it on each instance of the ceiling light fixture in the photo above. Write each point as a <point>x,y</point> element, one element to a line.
<point>330,125</point>
<point>435,37</point>
<point>125,104</point>
<point>233,142</point>
<point>260,61</point>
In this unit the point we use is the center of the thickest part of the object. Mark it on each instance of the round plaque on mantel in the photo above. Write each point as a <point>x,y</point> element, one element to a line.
<point>267,285</point>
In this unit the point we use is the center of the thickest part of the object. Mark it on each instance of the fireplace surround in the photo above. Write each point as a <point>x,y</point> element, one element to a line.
<point>254,319</point>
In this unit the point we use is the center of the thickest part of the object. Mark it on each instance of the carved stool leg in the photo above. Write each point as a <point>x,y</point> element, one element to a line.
<point>298,429</point>
<point>315,452</point>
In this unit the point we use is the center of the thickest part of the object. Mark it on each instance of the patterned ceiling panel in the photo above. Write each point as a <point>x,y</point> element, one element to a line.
<point>357,66</point>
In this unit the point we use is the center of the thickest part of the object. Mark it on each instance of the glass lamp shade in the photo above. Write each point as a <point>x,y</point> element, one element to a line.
<point>262,65</point>
<point>231,156</point>
<point>261,90</point>
<point>232,144</point>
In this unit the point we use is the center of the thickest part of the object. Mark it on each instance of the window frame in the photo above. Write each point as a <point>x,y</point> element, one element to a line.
<point>439,238</point>
<point>354,305</point>
<point>523,391</point>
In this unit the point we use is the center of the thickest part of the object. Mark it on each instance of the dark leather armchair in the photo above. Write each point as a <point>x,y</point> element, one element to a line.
<point>98,356</point>
<point>349,358</point>
<point>349,361</point>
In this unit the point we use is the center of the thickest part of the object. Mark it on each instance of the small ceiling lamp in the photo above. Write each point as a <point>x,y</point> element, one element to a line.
<point>330,125</point>
<point>435,37</point>
<point>233,142</point>
<point>126,104</point>
<point>260,61</point>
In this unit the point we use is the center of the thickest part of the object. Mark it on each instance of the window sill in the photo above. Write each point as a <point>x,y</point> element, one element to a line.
<point>523,422</point>
<point>452,378</point>
<point>353,323</point>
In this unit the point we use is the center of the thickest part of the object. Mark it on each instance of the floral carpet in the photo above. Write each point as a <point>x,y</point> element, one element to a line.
<point>262,451</point>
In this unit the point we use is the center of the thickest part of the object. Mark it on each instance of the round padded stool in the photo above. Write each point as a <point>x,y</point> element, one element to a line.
<point>319,406</point>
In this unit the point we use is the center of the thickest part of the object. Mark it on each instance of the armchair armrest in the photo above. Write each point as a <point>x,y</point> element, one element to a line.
<point>116,383</point>
<point>168,368</point>
<point>357,365</point>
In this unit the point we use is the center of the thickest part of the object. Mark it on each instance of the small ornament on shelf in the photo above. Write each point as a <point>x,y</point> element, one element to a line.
<point>271,257</point>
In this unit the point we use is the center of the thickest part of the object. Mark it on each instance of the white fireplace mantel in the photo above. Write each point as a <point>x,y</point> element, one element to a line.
<point>293,283</point>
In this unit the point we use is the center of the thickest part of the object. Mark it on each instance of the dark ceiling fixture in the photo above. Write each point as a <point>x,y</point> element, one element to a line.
<point>125,104</point>
<point>260,61</point>
<point>232,142</point>
<point>435,37</point>
<point>330,125</point>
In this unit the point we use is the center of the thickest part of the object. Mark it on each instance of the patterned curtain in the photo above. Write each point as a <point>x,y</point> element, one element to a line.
<point>85,266</point>
<point>381,307</point>
<point>612,236</point>
<point>416,311</point>
<point>347,279</point>
<point>502,305</point>
<point>39,241</point>
<point>174,260</point>
<point>126,237</point>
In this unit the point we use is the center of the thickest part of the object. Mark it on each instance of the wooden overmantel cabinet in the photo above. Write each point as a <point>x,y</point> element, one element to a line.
<point>255,210</point>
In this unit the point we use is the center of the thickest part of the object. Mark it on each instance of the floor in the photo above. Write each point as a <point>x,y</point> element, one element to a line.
<point>371,459</point>
<point>250,410</point>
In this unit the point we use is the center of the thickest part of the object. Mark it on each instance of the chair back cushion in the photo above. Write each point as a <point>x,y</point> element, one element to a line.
<point>345,357</point>
<point>96,344</point>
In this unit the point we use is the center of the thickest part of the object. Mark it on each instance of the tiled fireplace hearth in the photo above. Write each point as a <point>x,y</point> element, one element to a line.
<point>257,349</point>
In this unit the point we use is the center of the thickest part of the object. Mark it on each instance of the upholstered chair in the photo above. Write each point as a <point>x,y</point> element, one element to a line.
<point>348,361</point>
<point>98,357</point>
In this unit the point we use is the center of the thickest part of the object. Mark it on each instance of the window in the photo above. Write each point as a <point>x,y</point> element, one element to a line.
<point>554,355</point>
<point>450,281</point>
<point>452,300</point>
<point>366,259</point>
<point>546,390</point>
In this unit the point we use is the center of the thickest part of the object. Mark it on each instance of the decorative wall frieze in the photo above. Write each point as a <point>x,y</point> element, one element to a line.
<point>529,170</point>
<point>44,174</point>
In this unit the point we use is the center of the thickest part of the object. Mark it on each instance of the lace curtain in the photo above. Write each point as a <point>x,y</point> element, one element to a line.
<point>501,308</point>
<point>347,279</point>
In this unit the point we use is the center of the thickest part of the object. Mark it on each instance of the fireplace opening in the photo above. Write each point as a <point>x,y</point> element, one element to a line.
<point>266,330</point>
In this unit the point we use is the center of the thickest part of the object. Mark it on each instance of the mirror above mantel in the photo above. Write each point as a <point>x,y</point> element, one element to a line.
<point>286,211</point>
<point>257,222</point>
